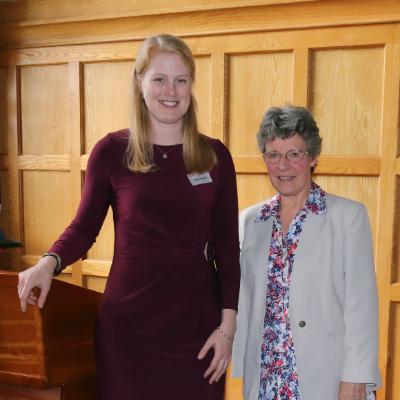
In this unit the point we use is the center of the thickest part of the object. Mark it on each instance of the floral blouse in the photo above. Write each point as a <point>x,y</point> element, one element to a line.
<point>279,379</point>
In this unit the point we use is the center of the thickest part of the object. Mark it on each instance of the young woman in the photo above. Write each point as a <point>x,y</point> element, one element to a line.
<point>167,318</point>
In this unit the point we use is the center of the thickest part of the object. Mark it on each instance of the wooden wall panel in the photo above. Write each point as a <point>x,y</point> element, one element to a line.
<point>107,99</point>
<point>4,182</point>
<point>44,109</point>
<point>3,121</point>
<point>46,211</point>
<point>5,218</point>
<point>387,207</point>
<point>202,92</point>
<point>253,188</point>
<point>5,202</point>
<point>107,102</point>
<point>233,387</point>
<point>359,188</point>
<point>230,21</point>
<point>396,236</point>
<point>95,283</point>
<point>393,384</point>
<point>256,81</point>
<point>346,91</point>
<point>14,183</point>
<point>41,10</point>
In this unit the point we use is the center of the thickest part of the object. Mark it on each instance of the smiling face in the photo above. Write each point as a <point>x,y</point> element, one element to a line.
<point>166,85</point>
<point>290,179</point>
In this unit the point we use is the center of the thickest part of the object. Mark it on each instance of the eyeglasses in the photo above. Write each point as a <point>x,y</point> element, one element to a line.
<point>292,156</point>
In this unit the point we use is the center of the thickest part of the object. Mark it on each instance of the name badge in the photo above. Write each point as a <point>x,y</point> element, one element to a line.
<point>199,179</point>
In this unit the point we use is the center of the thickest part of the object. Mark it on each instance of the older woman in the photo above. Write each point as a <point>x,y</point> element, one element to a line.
<point>307,321</point>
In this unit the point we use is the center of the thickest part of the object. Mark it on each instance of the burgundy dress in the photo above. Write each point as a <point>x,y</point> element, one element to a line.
<point>162,299</point>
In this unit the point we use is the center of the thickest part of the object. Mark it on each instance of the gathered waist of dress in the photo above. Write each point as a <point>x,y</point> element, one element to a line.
<point>166,252</point>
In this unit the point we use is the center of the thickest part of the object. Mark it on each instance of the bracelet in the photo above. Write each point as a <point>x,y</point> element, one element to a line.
<point>224,334</point>
<point>58,268</point>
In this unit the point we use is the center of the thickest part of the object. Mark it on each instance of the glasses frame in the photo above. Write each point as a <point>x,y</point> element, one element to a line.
<point>303,154</point>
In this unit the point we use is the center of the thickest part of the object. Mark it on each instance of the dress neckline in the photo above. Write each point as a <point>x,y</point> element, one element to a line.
<point>164,150</point>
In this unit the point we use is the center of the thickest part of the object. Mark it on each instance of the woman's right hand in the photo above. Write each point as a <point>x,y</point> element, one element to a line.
<point>39,276</point>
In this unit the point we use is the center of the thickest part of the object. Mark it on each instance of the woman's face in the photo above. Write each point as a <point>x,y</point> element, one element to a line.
<point>290,178</point>
<point>166,86</point>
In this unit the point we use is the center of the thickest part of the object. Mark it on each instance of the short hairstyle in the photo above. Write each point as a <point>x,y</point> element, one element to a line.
<point>285,122</point>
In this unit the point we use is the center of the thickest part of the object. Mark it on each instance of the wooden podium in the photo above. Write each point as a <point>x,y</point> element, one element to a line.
<point>47,354</point>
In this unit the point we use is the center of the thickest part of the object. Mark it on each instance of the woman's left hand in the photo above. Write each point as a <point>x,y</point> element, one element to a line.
<point>222,355</point>
<point>352,391</point>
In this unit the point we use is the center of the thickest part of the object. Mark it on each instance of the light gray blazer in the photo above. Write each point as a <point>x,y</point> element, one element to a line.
<point>333,305</point>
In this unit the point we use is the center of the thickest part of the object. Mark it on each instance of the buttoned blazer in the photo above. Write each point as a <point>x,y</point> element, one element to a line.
<point>333,306</point>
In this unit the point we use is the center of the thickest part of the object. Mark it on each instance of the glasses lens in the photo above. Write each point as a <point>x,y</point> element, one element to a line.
<point>272,156</point>
<point>294,155</point>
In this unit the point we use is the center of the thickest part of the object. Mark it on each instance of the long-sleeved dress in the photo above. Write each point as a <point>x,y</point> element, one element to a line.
<point>162,299</point>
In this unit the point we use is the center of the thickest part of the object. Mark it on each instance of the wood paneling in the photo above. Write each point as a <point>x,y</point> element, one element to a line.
<point>75,129</point>
<point>363,189</point>
<point>393,386</point>
<point>328,165</point>
<point>256,81</point>
<point>202,92</point>
<point>44,10</point>
<point>3,121</point>
<point>44,115</point>
<point>107,99</point>
<point>397,166</point>
<point>5,218</point>
<point>66,77</point>
<point>95,283</point>
<point>197,23</point>
<point>46,208</point>
<point>386,206</point>
<point>252,189</point>
<point>262,41</point>
<point>218,105</point>
<point>396,235</point>
<point>350,82</point>
<point>4,194</point>
<point>13,143</point>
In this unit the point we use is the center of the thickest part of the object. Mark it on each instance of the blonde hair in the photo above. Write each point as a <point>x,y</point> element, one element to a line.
<point>198,154</point>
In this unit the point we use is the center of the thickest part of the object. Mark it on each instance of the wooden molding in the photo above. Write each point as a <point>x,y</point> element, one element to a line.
<point>84,160</point>
<point>45,11</point>
<point>327,165</point>
<point>395,292</point>
<point>397,166</point>
<point>44,162</point>
<point>386,211</point>
<point>219,96</point>
<point>247,42</point>
<point>256,18</point>
<point>96,268</point>
<point>3,162</point>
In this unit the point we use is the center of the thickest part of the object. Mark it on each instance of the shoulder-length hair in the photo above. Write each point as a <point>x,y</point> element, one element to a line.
<point>197,152</point>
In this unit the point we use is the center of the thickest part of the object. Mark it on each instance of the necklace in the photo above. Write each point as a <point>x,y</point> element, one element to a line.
<point>164,154</point>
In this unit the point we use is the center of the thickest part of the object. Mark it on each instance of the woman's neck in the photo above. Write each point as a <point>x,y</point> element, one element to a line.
<point>165,134</point>
<point>288,209</point>
<point>292,203</point>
